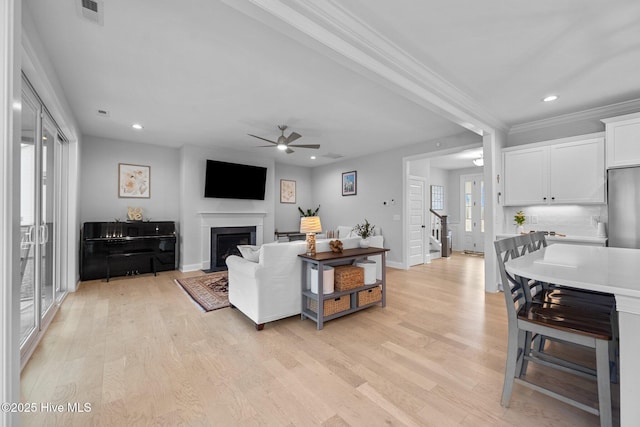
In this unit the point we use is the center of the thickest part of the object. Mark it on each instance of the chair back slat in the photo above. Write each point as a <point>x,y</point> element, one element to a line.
<point>516,291</point>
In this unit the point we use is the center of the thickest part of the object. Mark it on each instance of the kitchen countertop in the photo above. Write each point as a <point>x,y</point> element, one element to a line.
<point>568,239</point>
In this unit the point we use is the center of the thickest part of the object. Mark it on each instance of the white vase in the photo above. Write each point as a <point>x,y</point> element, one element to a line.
<point>364,243</point>
<point>519,229</point>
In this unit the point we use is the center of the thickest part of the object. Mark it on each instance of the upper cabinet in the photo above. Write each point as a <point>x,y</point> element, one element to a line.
<point>555,172</point>
<point>623,140</point>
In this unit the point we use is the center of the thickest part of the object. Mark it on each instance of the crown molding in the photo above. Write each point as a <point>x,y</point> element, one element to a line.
<point>597,113</point>
<point>331,25</point>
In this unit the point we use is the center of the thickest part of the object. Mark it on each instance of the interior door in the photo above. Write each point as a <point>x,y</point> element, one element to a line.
<point>473,212</point>
<point>417,221</point>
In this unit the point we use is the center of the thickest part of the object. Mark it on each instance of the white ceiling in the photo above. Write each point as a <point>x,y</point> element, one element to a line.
<point>354,76</point>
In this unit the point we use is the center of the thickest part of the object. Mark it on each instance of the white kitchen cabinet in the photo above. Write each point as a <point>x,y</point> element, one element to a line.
<point>623,140</point>
<point>526,174</point>
<point>555,172</point>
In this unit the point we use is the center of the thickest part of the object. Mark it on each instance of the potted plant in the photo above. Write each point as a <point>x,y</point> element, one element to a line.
<point>309,212</point>
<point>365,231</point>
<point>519,219</point>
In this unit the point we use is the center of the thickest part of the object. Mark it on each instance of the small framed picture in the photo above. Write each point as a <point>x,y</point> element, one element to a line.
<point>349,183</point>
<point>134,181</point>
<point>287,191</point>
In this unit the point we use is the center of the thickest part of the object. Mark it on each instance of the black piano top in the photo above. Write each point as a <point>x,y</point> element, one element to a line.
<point>127,230</point>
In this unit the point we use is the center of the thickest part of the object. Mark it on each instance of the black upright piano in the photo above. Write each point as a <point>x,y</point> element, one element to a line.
<point>112,249</point>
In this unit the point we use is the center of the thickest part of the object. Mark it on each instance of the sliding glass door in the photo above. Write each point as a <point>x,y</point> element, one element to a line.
<point>40,195</point>
<point>28,225</point>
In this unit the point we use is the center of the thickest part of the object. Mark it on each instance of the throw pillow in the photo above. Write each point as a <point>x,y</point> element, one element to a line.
<point>345,232</point>
<point>250,252</point>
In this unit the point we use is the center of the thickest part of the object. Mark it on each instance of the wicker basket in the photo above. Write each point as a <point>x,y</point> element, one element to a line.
<point>348,277</point>
<point>369,296</point>
<point>331,306</point>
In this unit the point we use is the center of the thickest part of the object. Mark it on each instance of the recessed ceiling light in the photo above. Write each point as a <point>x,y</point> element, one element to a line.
<point>137,126</point>
<point>550,98</point>
<point>312,157</point>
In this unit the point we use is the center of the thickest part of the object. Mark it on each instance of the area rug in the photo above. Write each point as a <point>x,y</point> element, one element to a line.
<point>210,291</point>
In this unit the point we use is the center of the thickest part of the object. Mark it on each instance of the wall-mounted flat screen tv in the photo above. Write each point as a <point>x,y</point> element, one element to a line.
<point>225,180</point>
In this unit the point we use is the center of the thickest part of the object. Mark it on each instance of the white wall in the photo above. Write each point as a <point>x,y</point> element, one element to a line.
<point>192,201</point>
<point>287,217</point>
<point>99,186</point>
<point>381,177</point>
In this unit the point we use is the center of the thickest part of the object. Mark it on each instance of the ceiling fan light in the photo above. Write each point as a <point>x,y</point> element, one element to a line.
<point>282,147</point>
<point>478,162</point>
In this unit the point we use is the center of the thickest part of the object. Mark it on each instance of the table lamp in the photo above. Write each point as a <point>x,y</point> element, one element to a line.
<point>310,225</point>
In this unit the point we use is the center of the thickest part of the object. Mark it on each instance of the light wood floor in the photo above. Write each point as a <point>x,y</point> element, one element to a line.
<point>141,353</point>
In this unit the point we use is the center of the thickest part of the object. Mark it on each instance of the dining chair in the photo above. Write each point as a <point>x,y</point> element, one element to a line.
<point>564,323</point>
<point>590,301</point>
<point>561,294</point>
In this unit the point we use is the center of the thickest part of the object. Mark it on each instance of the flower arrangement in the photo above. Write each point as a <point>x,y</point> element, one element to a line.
<point>364,230</point>
<point>519,218</point>
<point>308,212</point>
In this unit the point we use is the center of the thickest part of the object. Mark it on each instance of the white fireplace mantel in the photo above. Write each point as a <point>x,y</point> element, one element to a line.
<point>209,220</point>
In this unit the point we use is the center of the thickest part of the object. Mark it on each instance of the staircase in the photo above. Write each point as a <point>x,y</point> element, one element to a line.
<point>439,234</point>
<point>435,248</point>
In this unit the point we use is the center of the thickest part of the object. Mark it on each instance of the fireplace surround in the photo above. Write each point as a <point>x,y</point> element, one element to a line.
<point>225,241</point>
<point>236,218</point>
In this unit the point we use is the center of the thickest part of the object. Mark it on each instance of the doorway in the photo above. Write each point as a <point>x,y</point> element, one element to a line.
<point>41,201</point>
<point>473,212</point>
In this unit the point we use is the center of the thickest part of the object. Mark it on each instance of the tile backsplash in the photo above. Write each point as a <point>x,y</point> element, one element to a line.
<point>572,220</point>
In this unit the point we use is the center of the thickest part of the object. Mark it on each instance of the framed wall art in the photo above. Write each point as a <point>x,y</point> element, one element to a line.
<point>349,183</point>
<point>134,181</point>
<point>287,191</point>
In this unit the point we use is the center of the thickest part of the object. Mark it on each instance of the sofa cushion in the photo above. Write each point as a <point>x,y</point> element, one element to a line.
<point>345,232</point>
<point>250,252</point>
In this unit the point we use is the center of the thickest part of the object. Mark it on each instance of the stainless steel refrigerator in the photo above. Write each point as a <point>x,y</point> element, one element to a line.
<point>623,189</point>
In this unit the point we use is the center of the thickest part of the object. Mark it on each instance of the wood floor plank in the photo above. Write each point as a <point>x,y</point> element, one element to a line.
<point>141,353</point>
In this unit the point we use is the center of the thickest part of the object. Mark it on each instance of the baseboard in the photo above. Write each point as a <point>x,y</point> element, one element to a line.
<point>394,264</point>
<point>192,267</point>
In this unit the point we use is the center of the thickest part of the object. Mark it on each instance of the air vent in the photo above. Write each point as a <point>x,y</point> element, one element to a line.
<point>91,5</point>
<point>103,113</point>
<point>91,10</point>
<point>333,155</point>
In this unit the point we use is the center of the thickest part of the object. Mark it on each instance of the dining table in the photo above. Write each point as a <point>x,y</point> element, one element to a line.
<point>605,269</point>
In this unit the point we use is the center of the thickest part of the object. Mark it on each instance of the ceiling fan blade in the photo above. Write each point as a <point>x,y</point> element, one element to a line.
<point>289,151</point>
<point>293,137</point>
<point>264,139</point>
<point>314,146</point>
<point>266,146</point>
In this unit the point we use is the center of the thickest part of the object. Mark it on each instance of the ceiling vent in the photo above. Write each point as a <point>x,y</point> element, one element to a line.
<point>91,10</point>
<point>103,113</point>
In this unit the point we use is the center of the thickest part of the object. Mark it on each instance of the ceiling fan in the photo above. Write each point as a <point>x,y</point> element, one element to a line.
<point>284,141</point>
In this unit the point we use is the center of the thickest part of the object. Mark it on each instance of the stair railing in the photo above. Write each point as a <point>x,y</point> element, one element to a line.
<point>440,232</point>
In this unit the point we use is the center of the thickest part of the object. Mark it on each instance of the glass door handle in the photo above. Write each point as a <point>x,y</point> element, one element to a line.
<point>29,234</point>
<point>44,233</point>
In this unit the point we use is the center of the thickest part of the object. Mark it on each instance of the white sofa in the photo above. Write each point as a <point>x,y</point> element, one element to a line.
<point>270,289</point>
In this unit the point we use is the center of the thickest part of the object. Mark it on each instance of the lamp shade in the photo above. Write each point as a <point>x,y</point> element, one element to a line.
<point>310,224</point>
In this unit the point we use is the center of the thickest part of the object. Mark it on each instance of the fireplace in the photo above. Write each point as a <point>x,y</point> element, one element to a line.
<point>224,242</point>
